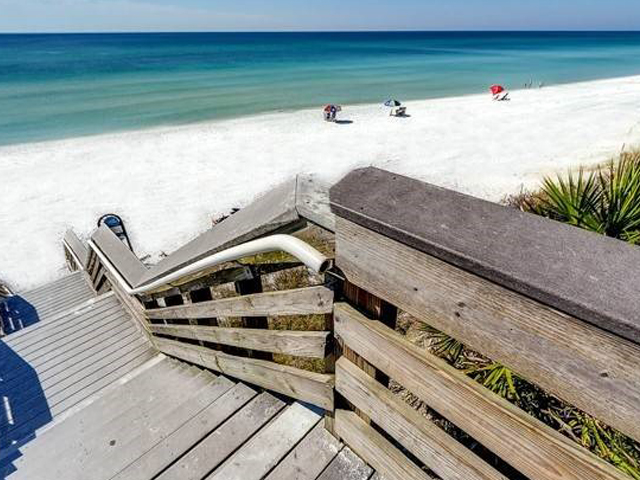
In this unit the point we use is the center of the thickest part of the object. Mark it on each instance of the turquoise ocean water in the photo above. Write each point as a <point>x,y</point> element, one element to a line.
<point>59,86</point>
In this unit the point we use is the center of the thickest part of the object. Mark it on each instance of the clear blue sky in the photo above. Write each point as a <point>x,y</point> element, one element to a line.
<point>286,15</point>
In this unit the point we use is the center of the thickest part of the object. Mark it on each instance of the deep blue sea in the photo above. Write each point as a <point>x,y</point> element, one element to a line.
<point>57,86</point>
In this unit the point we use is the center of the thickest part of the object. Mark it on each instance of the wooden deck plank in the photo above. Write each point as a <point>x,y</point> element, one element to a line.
<point>164,453</point>
<point>299,343</point>
<point>70,372</point>
<point>85,329</point>
<point>375,449</point>
<point>26,335</point>
<point>62,330</point>
<point>94,430</point>
<point>265,450</point>
<point>19,365</point>
<point>133,399</point>
<point>108,463</point>
<point>221,443</point>
<point>346,466</point>
<point>54,360</point>
<point>309,458</point>
<point>300,301</point>
<point>428,442</point>
<point>79,249</point>
<point>86,386</point>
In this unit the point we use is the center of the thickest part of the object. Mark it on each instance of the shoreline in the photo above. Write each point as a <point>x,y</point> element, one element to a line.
<point>294,111</point>
<point>168,182</point>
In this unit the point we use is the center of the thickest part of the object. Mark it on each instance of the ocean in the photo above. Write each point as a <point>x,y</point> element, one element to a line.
<point>68,85</point>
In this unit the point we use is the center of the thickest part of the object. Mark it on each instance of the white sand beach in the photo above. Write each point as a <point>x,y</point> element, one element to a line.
<point>168,183</point>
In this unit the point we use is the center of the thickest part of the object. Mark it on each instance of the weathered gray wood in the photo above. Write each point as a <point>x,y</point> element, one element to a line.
<point>586,366</point>
<point>312,201</point>
<point>375,449</point>
<point>123,259</point>
<point>310,457</point>
<point>314,388</point>
<point>163,454</point>
<point>263,452</point>
<point>527,444</point>
<point>301,301</point>
<point>216,447</point>
<point>590,276</point>
<point>300,343</point>
<point>96,428</point>
<point>428,442</point>
<point>78,248</point>
<point>346,466</point>
<point>130,460</point>
<point>266,215</point>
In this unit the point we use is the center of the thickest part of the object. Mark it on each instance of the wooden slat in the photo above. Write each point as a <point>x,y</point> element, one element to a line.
<point>263,452</point>
<point>314,388</point>
<point>312,201</point>
<point>123,259</point>
<point>582,364</point>
<point>77,248</point>
<point>375,449</point>
<point>299,343</point>
<point>301,301</point>
<point>429,443</point>
<point>310,457</point>
<point>582,273</point>
<point>527,444</point>
<point>222,442</point>
<point>346,466</point>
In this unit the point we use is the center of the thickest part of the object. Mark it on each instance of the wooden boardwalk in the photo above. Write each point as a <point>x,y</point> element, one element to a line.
<point>86,395</point>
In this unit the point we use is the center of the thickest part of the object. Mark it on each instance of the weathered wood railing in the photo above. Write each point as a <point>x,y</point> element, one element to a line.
<point>556,304</point>
<point>220,318</point>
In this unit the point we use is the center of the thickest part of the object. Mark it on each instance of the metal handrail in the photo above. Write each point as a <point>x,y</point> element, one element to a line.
<point>308,255</point>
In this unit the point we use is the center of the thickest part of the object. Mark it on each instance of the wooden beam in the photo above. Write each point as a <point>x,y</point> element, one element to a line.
<point>78,248</point>
<point>298,343</point>
<point>374,449</point>
<point>527,444</point>
<point>557,264</point>
<point>123,259</point>
<point>314,388</point>
<point>428,442</point>
<point>301,301</point>
<point>590,368</point>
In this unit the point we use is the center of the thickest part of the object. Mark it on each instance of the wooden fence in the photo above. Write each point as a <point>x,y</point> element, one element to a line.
<point>547,300</point>
<point>221,319</point>
<point>557,305</point>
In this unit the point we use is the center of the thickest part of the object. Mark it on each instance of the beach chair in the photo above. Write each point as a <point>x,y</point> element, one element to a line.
<point>400,111</point>
<point>502,96</point>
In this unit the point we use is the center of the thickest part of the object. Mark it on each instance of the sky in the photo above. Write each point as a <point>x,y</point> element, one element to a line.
<point>315,15</point>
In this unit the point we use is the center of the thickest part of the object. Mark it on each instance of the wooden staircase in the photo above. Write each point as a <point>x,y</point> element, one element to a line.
<point>86,395</point>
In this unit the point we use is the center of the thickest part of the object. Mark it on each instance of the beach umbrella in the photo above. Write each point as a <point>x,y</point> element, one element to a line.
<point>496,89</point>
<point>392,103</point>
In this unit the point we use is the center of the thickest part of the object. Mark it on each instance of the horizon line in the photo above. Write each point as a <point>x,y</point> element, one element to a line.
<point>124,32</point>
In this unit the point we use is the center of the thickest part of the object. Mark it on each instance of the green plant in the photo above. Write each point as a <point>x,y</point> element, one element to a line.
<point>605,201</point>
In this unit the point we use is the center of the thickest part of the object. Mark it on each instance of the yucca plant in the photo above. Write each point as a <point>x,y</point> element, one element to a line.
<point>605,201</point>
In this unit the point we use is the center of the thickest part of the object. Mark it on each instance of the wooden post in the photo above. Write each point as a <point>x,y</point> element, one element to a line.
<point>377,309</point>
<point>248,287</point>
